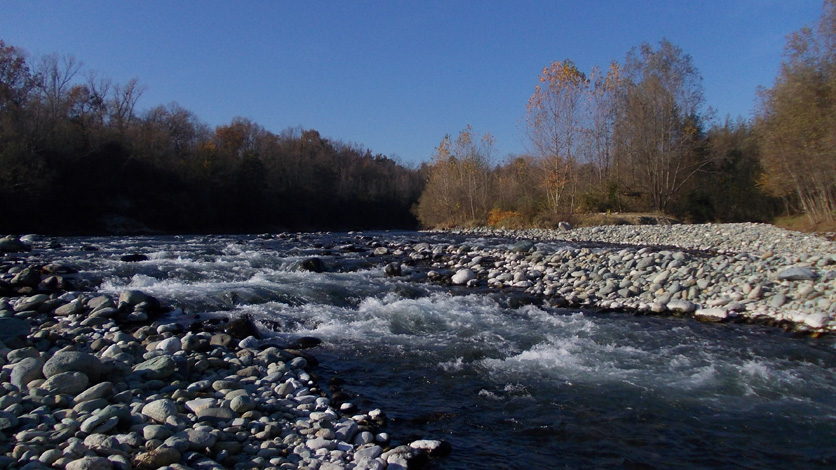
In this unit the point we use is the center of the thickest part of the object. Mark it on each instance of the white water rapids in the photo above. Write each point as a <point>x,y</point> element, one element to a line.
<point>521,387</point>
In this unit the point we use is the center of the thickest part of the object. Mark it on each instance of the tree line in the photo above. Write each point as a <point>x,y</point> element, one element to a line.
<point>77,156</point>
<point>638,137</point>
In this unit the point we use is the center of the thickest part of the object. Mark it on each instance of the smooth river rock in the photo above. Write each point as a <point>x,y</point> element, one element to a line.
<point>462,276</point>
<point>158,367</point>
<point>797,274</point>
<point>72,361</point>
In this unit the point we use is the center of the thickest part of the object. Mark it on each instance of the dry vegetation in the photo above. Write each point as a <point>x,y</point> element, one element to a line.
<point>636,138</point>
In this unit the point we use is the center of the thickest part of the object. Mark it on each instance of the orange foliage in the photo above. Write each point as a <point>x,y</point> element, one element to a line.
<point>500,218</point>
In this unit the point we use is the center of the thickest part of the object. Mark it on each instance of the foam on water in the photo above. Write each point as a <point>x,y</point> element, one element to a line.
<point>511,387</point>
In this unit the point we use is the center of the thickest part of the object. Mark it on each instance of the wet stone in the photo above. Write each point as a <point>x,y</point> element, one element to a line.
<point>463,276</point>
<point>13,332</point>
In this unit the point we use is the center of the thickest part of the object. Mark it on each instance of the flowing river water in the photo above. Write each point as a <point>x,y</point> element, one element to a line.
<point>509,386</point>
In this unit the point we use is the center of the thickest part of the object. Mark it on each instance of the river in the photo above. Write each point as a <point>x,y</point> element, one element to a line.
<point>509,386</point>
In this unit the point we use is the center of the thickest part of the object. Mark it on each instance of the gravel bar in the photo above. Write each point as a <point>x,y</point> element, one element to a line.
<point>715,272</point>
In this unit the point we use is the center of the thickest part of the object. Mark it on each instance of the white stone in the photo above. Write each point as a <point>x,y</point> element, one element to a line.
<point>248,342</point>
<point>427,445</point>
<point>712,314</point>
<point>368,453</point>
<point>797,274</point>
<point>462,276</point>
<point>320,443</point>
<point>200,403</point>
<point>159,410</point>
<point>817,320</point>
<point>170,345</point>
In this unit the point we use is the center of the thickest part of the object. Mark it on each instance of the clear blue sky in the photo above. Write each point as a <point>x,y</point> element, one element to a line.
<point>396,76</point>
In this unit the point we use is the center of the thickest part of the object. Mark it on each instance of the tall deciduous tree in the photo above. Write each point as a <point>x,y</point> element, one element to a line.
<point>553,121</point>
<point>599,145</point>
<point>658,127</point>
<point>458,185</point>
<point>16,80</point>
<point>797,120</point>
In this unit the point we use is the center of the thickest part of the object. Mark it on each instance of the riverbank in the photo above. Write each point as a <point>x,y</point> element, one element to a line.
<point>714,272</point>
<point>118,382</point>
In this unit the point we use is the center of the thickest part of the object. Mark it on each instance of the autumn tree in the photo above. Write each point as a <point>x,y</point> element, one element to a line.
<point>439,202</point>
<point>517,189</point>
<point>458,186</point>
<point>553,122</point>
<point>601,102</point>
<point>16,79</point>
<point>658,126</point>
<point>797,121</point>
<point>22,171</point>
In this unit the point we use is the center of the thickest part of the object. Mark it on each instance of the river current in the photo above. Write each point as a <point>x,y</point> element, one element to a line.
<point>510,387</point>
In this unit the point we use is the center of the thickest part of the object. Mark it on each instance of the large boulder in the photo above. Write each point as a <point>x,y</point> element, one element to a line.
<point>314,265</point>
<point>131,298</point>
<point>242,327</point>
<point>393,269</point>
<point>73,361</point>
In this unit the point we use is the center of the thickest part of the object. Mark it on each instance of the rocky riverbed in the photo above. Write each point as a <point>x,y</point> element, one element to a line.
<point>727,272</point>
<point>122,380</point>
<point>99,382</point>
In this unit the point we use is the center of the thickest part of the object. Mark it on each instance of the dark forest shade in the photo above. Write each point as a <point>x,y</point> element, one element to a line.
<point>76,158</point>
